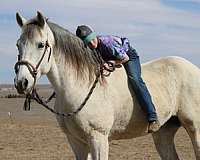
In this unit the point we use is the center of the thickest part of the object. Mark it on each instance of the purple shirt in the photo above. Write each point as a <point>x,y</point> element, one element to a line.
<point>112,47</point>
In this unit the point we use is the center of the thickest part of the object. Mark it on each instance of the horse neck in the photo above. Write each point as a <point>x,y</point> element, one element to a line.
<point>67,87</point>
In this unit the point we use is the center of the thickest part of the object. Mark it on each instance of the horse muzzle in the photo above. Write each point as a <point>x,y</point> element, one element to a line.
<point>21,85</point>
<point>24,84</point>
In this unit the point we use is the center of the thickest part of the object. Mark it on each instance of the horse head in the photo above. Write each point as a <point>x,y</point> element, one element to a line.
<point>34,47</point>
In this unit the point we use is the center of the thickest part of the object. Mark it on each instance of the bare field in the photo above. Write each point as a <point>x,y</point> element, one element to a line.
<point>35,135</point>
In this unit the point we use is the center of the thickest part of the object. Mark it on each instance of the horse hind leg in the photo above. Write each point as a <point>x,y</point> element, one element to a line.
<point>193,129</point>
<point>164,139</point>
<point>195,138</point>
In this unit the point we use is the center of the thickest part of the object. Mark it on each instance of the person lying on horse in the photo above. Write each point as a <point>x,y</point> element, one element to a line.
<point>119,51</point>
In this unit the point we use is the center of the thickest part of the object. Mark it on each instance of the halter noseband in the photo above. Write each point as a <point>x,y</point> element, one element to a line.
<point>33,69</point>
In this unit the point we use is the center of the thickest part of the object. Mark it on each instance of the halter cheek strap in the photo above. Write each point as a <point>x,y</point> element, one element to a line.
<point>40,61</point>
<point>33,70</point>
<point>49,55</point>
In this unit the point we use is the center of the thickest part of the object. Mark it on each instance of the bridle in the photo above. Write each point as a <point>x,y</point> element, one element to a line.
<point>33,69</point>
<point>35,96</point>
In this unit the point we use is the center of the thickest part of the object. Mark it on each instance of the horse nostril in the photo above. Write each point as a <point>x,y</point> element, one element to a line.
<point>24,83</point>
<point>21,85</point>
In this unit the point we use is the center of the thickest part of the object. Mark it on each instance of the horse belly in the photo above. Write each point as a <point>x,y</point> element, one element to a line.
<point>130,122</point>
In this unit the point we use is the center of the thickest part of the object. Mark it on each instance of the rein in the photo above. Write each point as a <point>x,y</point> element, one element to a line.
<point>35,96</point>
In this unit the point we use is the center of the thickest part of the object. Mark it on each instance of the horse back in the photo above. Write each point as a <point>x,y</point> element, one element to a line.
<point>164,79</point>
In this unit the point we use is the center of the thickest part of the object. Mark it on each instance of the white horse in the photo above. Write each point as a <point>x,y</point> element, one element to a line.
<point>111,112</point>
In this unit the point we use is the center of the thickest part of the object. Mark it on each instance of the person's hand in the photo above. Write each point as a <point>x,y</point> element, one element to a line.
<point>117,63</point>
<point>105,65</point>
<point>106,69</point>
<point>109,66</point>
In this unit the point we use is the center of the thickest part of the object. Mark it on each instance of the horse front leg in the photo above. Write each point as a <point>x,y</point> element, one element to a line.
<point>99,146</point>
<point>79,148</point>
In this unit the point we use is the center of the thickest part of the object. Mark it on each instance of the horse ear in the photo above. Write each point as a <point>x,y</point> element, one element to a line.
<point>20,20</point>
<point>41,19</point>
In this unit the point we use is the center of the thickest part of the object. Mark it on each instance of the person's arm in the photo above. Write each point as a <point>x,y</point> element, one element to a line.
<point>120,52</point>
<point>119,62</point>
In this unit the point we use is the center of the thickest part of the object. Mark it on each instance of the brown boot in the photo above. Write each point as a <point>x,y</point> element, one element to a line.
<point>153,126</point>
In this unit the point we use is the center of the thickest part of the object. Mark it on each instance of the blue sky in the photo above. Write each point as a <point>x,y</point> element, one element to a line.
<point>156,28</point>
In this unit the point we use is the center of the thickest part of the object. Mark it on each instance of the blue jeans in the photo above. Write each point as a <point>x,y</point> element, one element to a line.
<point>133,70</point>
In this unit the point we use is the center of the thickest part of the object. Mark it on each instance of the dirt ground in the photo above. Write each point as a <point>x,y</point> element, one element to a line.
<point>35,135</point>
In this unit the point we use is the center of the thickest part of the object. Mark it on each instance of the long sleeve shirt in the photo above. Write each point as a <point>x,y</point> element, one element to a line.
<point>112,47</point>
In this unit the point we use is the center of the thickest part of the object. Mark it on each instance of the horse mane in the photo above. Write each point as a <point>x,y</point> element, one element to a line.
<point>76,53</point>
<point>70,48</point>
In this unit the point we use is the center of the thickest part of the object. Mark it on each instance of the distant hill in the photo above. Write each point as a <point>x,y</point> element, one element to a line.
<point>13,87</point>
<point>7,86</point>
<point>9,91</point>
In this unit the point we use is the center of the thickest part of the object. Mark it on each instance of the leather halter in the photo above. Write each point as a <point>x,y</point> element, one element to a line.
<point>34,95</point>
<point>33,69</point>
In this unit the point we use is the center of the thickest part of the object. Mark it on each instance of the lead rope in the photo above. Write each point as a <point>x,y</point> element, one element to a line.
<point>35,96</point>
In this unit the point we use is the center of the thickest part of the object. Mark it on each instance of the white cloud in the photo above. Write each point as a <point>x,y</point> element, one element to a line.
<point>153,28</point>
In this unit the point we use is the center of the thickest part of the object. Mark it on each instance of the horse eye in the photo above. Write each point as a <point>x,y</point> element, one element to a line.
<point>41,45</point>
